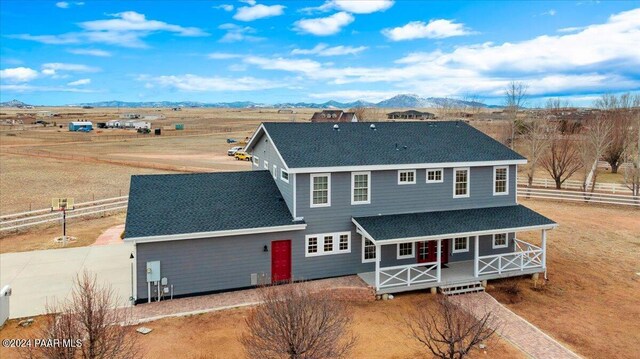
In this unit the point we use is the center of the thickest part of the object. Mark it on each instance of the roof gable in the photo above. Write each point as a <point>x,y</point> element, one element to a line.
<point>319,145</point>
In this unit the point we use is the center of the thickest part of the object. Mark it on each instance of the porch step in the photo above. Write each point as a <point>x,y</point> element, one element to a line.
<point>461,288</point>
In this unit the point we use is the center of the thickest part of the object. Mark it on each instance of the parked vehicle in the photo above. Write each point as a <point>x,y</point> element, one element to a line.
<point>231,140</point>
<point>232,151</point>
<point>242,156</point>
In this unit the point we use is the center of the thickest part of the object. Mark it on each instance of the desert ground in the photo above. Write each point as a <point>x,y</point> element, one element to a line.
<point>590,302</point>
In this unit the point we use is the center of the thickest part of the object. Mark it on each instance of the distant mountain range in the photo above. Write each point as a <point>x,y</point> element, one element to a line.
<point>398,101</point>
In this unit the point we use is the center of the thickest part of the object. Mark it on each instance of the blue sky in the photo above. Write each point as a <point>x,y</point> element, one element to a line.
<point>285,51</point>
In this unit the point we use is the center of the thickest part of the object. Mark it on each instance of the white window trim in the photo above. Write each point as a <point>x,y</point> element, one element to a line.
<point>311,177</point>
<point>275,171</point>
<point>453,246</point>
<point>506,242</point>
<point>412,255</point>
<point>266,165</point>
<point>371,260</point>
<point>435,169</point>
<point>321,251</point>
<point>353,176</point>
<point>256,161</point>
<point>495,168</point>
<point>468,182</point>
<point>405,171</point>
<point>282,170</point>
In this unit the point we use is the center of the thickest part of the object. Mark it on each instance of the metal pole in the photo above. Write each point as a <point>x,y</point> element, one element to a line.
<point>64,224</point>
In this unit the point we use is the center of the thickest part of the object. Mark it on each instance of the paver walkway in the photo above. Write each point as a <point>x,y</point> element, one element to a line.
<point>350,287</point>
<point>514,328</point>
<point>110,236</point>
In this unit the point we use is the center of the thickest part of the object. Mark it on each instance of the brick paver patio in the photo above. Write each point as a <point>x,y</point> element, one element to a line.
<point>348,288</point>
<point>514,328</point>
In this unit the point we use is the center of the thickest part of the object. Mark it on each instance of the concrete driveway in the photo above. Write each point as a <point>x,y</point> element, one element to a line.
<point>38,277</point>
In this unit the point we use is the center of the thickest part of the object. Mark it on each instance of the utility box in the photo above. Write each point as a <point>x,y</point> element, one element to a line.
<point>5,294</point>
<point>153,271</point>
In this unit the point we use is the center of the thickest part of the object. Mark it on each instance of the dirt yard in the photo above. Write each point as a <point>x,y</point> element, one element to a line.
<point>86,232</point>
<point>215,335</point>
<point>591,301</point>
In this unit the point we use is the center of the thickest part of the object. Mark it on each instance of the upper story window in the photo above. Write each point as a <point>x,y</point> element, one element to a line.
<point>320,190</point>
<point>368,250</point>
<point>275,172</point>
<point>500,180</point>
<point>500,240</point>
<point>434,175</point>
<point>460,182</point>
<point>284,175</point>
<point>256,161</point>
<point>360,187</point>
<point>327,243</point>
<point>460,244</point>
<point>406,176</point>
<point>266,165</point>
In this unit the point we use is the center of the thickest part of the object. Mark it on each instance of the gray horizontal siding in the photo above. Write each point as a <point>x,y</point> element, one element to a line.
<point>265,151</point>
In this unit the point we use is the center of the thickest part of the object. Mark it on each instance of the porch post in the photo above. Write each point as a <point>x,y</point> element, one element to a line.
<point>438,256</point>
<point>476,254</point>
<point>544,249</point>
<point>378,267</point>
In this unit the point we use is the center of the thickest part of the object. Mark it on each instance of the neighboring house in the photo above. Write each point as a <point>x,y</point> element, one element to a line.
<point>405,205</point>
<point>334,116</point>
<point>130,116</point>
<point>80,126</point>
<point>411,115</point>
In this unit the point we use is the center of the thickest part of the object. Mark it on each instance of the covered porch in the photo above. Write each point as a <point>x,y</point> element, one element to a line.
<point>451,247</point>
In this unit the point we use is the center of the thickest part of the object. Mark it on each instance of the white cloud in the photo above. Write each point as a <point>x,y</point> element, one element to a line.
<point>90,52</point>
<point>355,7</point>
<point>29,88</point>
<point>126,29</point>
<point>435,29</point>
<point>551,12</point>
<point>325,50</point>
<point>18,74</point>
<point>62,4</point>
<point>259,11</point>
<point>571,29</point>
<point>324,26</point>
<point>52,68</point>
<point>225,7</point>
<point>354,95</point>
<point>238,33</point>
<point>222,56</point>
<point>250,2</point>
<point>79,82</point>
<point>195,83</point>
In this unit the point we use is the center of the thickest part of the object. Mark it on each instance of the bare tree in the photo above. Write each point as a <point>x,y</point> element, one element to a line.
<point>368,114</point>
<point>632,172</point>
<point>617,110</point>
<point>447,331</point>
<point>536,142</point>
<point>88,325</point>
<point>360,111</point>
<point>562,159</point>
<point>293,323</point>
<point>515,98</point>
<point>472,103</point>
<point>596,138</point>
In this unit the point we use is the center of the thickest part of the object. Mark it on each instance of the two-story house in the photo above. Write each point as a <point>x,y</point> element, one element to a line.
<point>406,206</point>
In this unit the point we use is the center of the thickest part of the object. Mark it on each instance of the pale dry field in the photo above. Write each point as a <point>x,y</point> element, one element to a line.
<point>215,335</point>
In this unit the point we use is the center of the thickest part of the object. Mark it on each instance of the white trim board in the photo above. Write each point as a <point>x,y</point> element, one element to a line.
<point>407,166</point>
<point>226,233</point>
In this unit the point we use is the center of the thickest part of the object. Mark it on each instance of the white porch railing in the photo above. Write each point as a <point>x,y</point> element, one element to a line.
<point>406,275</point>
<point>526,256</point>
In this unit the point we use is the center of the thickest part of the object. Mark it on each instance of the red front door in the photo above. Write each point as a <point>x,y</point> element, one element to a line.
<point>427,251</point>
<point>280,261</point>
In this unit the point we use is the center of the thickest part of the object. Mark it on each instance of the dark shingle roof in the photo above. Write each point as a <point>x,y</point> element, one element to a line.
<point>447,222</point>
<point>356,144</point>
<point>203,202</point>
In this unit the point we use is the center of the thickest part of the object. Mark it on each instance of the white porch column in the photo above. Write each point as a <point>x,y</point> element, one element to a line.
<point>378,255</point>
<point>476,254</point>
<point>438,256</point>
<point>544,249</point>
